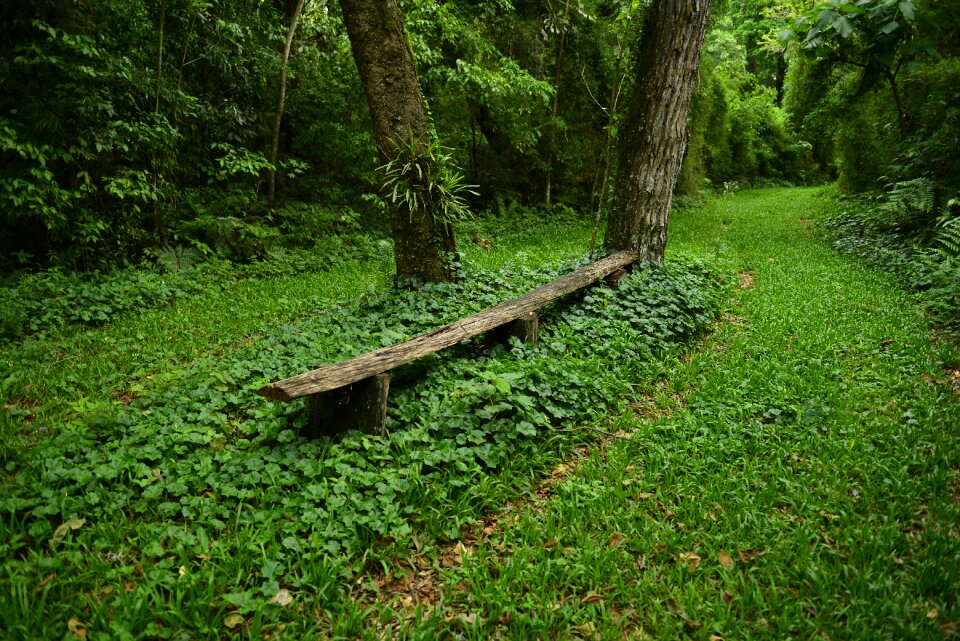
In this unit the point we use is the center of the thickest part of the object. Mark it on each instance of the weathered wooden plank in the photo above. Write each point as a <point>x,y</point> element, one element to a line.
<point>334,375</point>
<point>359,406</point>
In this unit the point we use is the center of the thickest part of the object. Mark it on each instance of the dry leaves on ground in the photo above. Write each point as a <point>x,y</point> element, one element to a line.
<point>725,560</point>
<point>691,560</point>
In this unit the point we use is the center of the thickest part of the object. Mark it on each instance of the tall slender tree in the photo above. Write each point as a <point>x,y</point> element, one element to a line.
<point>423,238</point>
<point>281,101</point>
<point>653,137</point>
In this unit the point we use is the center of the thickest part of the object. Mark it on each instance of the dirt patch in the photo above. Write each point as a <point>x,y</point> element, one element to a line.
<point>662,404</point>
<point>481,242</point>
<point>953,375</point>
<point>21,403</point>
<point>746,280</point>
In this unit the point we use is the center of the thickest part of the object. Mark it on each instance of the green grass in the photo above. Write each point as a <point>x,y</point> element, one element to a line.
<point>67,365</point>
<point>808,485</point>
<point>811,438</point>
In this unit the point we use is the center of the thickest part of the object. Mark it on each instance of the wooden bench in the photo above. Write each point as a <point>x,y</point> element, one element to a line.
<point>353,394</point>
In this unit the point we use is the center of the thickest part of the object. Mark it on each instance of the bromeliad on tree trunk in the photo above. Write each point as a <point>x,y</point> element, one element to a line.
<point>422,245</point>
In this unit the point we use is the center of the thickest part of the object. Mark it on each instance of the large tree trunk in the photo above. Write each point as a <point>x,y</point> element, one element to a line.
<point>389,76</point>
<point>653,138</point>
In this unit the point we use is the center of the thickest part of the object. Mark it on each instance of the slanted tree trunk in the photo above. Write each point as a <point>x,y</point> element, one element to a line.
<point>653,138</point>
<point>278,119</point>
<point>389,76</point>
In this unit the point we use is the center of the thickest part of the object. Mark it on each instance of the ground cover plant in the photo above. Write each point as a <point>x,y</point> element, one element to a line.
<point>908,231</point>
<point>65,370</point>
<point>795,477</point>
<point>198,460</point>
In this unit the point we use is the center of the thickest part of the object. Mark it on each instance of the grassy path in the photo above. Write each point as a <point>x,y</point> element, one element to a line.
<point>797,477</point>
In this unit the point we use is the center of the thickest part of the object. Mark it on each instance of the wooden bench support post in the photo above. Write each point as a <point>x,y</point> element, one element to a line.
<point>359,406</point>
<point>526,328</point>
<point>613,280</point>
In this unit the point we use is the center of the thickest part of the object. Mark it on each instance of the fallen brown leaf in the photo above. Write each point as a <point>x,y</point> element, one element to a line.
<point>549,544</point>
<point>77,628</point>
<point>748,555</point>
<point>616,539</point>
<point>725,560</point>
<point>61,532</point>
<point>932,613</point>
<point>691,560</point>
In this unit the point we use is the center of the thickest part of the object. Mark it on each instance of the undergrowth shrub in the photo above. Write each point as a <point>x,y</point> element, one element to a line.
<point>904,231</point>
<point>40,301</point>
<point>203,458</point>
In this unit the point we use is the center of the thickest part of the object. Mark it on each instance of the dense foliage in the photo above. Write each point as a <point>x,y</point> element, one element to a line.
<point>130,127</point>
<point>203,471</point>
<point>891,231</point>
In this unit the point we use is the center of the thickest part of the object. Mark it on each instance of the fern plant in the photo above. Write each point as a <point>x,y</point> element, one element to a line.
<point>910,203</point>
<point>946,239</point>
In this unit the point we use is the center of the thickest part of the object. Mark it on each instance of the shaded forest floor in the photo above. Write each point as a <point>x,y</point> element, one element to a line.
<point>794,474</point>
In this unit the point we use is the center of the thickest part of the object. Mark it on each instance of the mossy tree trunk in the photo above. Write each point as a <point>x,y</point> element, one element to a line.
<point>389,76</point>
<point>653,137</point>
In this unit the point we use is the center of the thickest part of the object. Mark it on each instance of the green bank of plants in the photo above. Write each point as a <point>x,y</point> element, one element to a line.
<point>217,254</point>
<point>794,477</point>
<point>198,500</point>
<point>911,232</point>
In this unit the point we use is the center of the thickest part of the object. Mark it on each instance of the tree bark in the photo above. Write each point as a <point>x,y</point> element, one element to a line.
<point>389,76</point>
<point>898,101</point>
<point>275,140</point>
<point>653,138</point>
<point>554,108</point>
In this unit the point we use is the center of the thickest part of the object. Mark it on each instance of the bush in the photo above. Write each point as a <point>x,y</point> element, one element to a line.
<point>899,231</point>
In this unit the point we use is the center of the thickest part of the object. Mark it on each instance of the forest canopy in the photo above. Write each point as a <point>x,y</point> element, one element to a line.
<point>132,129</point>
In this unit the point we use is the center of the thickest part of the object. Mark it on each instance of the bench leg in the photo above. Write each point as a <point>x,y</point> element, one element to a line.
<point>361,406</point>
<point>526,328</point>
<point>613,280</point>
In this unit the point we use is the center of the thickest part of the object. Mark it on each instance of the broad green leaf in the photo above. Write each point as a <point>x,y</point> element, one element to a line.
<point>843,26</point>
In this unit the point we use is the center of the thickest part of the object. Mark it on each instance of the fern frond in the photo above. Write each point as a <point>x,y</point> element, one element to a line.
<point>947,238</point>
